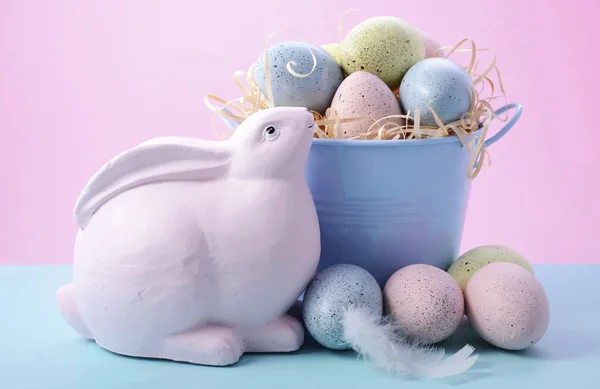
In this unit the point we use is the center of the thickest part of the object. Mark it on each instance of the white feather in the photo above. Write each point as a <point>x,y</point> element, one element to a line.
<point>379,340</point>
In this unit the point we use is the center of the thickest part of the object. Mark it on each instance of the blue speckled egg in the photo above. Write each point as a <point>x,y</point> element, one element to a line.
<point>440,83</point>
<point>314,92</point>
<point>330,293</point>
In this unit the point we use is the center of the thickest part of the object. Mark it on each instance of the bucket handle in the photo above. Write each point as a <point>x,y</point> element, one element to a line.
<point>510,124</point>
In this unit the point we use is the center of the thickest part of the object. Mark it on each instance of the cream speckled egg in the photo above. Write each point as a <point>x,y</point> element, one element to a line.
<point>362,94</point>
<point>425,302</point>
<point>385,46</point>
<point>467,264</point>
<point>431,45</point>
<point>334,50</point>
<point>507,306</point>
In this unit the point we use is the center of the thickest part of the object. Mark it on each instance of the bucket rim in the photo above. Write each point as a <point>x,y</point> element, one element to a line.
<point>390,143</point>
<point>452,139</point>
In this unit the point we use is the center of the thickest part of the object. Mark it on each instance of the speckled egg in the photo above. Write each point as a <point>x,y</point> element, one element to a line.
<point>334,50</point>
<point>425,302</point>
<point>315,91</point>
<point>363,94</point>
<point>330,293</point>
<point>385,46</point>
<point>507,306</point>
<point>439,83</point>
<point>467,264</point>
<point>431,45</point>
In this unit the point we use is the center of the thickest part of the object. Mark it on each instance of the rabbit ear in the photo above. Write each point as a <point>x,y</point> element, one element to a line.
<point>159,159</point>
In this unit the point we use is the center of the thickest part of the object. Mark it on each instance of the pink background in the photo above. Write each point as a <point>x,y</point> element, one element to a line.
<point>81,81</point>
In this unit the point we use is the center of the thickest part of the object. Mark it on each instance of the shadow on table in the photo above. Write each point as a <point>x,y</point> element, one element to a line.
<point>556,345</point>
<point>465,335</point>
<point>479,371</point>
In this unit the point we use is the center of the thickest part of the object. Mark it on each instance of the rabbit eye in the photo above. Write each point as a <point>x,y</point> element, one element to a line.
<point>271,133</point>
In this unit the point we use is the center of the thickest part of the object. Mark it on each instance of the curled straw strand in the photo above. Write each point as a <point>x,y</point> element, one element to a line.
<point>395,127</point>
<point>252,99</point>
<point>341,23</point>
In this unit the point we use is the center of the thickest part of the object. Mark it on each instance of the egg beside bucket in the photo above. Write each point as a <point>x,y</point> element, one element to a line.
<point>384,204</point>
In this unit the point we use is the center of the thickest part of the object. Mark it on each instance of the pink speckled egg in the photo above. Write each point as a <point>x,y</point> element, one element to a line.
<point>425,301</point>
<point>431,45</point>
<point>363,94</point>
<point>507,306</point>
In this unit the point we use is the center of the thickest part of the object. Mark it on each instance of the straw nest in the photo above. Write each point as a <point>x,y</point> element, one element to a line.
<point>479,116</point>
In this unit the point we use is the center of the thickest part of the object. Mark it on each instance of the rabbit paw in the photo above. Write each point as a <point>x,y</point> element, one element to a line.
<point>65,296</point>
<point>210,345</point>
<point>283,334</point>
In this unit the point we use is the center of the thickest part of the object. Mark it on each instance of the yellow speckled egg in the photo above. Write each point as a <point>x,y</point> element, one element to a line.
<point>507,306</point>
<point>467,264</point>
<point>384,46</point>
<point>334,50</point>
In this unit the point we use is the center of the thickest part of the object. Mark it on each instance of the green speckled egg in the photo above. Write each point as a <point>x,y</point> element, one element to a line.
<point>467,264</point>
<point>334,50</point>
<point>385,46</point>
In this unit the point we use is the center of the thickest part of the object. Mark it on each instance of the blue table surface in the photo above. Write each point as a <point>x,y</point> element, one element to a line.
<point>38,350</point>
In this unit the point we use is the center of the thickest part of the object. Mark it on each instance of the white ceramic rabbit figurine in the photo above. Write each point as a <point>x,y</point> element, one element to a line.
<point>193,250</point>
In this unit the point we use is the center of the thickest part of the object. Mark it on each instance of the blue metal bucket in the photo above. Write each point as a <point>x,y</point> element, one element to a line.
<point>383,205</point>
